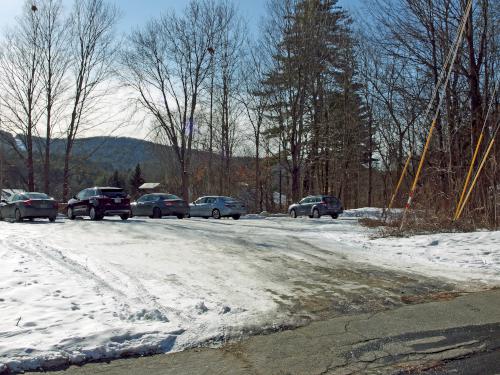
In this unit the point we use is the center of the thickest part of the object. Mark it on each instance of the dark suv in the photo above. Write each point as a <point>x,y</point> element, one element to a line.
<point>316,206</point>
<point>98,202</point>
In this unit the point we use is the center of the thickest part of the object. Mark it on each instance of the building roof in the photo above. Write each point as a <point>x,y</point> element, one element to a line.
<point>149,185</point>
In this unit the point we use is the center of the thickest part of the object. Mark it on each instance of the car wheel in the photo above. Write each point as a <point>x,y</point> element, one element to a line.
<point>70,214</point>
<point>236,217</point>
<point>18,216</point>
<point>93,214</point>
<point>52,219</point>
<point>316,214</point>
<point>216,214</point>
<point>156,213</point>
<point>293,214</point>
<point>180,216</point>
<point>335,216</point>
<point>124,217</point>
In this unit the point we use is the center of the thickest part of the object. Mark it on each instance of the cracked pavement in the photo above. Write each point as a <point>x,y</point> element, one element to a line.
<point>461,336</point>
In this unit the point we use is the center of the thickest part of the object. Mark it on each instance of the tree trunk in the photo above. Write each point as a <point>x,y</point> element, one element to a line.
<point>46,165</point>
<point>66,175</point>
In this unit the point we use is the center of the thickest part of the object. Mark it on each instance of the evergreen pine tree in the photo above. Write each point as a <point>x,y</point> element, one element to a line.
<point>136,180</point>
<point>116,180</point>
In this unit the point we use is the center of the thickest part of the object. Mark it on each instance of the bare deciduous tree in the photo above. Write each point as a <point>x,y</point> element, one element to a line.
<point>93,50</point>
<point>54,65</point>
<point>166,63</point>
<point>20,84</point>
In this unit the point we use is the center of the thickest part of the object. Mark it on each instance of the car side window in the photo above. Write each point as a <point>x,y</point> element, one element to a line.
<point>201,201</point>
<point>143,199</point>
<point>211,200</point>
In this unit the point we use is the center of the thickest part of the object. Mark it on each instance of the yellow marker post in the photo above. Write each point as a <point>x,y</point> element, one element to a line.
<point>469,175</point>
<point>400,180</point>
<point>483,162</point>
<point>419,170</point>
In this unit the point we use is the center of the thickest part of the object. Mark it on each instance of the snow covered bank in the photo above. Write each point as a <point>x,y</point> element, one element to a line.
<point>74,291</point>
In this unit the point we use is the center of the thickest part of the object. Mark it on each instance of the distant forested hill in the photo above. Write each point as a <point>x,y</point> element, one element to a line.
<point>118,153</point>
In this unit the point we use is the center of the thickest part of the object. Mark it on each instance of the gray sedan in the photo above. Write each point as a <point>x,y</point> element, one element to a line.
<point>29,206</point>
<point>217,207</point>
<point>160,204</point>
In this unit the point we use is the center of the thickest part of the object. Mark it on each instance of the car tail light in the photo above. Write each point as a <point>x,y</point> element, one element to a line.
<point>56,205</point>
<point>323,203</point>
<point>28,203</point>
<point>168,203</point>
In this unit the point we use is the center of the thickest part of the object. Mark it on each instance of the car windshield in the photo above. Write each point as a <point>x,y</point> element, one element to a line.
<point>113,193</point>
<point>36,196</point>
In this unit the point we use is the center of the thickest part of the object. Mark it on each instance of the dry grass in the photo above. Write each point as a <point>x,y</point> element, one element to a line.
<point>440,296</point>
<point>424,222</point>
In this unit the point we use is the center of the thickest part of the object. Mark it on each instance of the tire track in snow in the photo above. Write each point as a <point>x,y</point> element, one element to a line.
<point>62,263</point>
<point>142,294</point>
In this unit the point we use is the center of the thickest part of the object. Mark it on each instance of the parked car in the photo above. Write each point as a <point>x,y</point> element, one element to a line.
<point>98,202</point>
<point>160,204</point>
<point>217,207</point>
<point>316,206</point>
<point>30,206</point>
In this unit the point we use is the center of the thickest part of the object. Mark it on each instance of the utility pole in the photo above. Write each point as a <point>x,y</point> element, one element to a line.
<point>279,166</point>
<point>2,157</point>
<point>211,51</point>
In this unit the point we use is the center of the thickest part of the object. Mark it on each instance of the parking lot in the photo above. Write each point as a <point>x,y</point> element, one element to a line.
<point>75,291</point>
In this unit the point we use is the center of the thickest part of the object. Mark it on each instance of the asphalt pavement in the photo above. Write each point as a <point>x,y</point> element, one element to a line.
<point>459,336</point>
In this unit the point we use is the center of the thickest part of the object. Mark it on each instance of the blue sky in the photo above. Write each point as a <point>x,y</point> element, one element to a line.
<point>136,12</point>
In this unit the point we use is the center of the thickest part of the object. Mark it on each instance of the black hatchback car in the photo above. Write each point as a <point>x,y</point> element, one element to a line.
<point>98,202</point>
<point>316,206</point>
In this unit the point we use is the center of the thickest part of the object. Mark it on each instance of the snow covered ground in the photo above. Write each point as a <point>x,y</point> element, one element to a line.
<point>75,291</point>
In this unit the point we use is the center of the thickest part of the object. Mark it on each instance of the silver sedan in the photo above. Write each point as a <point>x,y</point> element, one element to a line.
<point>217,207</point>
